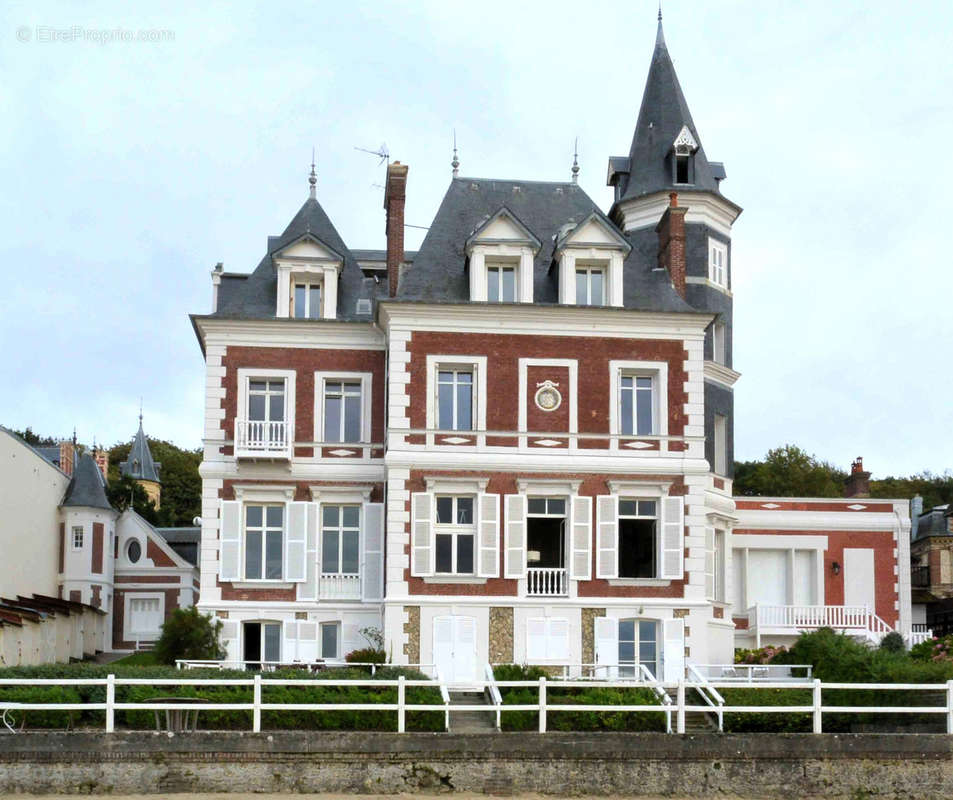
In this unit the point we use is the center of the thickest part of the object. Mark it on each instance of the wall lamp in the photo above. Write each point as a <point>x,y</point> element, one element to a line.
<point>835,567</point>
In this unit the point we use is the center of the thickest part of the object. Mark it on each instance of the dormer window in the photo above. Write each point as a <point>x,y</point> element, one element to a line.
<point>682,167</point>
<point>307,300</point>
<point>589,256</point>
<point>501,253</point>
<point>683,152</point>
<point>501,283</point>
<point>590,285</point>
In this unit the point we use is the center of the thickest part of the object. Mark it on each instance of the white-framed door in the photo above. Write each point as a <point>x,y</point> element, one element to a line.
<point>454,648</point>
<point>859,584</point>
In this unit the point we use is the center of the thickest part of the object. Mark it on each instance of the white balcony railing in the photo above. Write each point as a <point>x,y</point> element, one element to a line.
<point>257,439</point>
<point>547,582</point>
<point>851,619</point>
<point>339,586</point>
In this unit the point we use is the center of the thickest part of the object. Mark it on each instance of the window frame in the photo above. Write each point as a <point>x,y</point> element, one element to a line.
<point>248,374</point>
<point>637,644</point>
<point>133,540</point>
<point>330,625</point>
<point>310,284</point>
<point>340,530</point>
<point>130,634</point>
<point>321,379</point>
<point>658,370</point>
<point>264,529</point>
<point>478,365</point>
<point>719,443</point>
<point>589,269</point>
<point>719,343</point>
<point>499,266</point>
<point>455,530</point>
<point>81,530</point>
<point>718,272</point>
<point>656,538</point>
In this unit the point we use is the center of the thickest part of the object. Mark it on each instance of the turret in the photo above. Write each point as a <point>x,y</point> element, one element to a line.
<point>141,468</point>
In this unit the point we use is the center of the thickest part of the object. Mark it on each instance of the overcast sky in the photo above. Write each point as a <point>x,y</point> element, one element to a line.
<point>130,167</point>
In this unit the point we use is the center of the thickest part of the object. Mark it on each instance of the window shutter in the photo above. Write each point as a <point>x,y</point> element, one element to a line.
<point>488,534</point>
<point>307,641</point>
<point>710,563</point>
<point>421,533</point>
<point>296,542</point>
<point>607,647</point>
<point>372,571</point>
<point>289,650</point>
<point>607,524</point>
<point>581,565</point>
<point>229,637</point>
<point>558,644</point>
<point>515,555</point>
<point>673,537</point>
<point>535,640</point>
<point>308,590</point>
<point>673,650</point>
<point>230,540</point>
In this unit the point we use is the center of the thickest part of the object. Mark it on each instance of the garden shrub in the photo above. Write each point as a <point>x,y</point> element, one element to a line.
<point>188,633</point>
<point>366,655</point>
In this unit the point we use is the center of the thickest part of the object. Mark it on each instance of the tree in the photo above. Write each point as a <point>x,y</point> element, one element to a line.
<point>187,634</point>
<point>181,499</point>
<point>33,439</point>
<point>934,489</point>
<point>789,471</point>
<point>123,492</point>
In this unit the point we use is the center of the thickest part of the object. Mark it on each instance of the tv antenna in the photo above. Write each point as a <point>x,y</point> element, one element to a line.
<point>381,152</point>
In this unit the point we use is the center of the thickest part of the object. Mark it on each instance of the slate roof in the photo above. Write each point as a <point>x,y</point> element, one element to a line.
<point>439,272</point>
<point>50,453</point>
<point>86,488</point>
<point>254,296</point>
<point>663,113</point>
<point>185,542</point>
<point>140,464</point>
<point>40,451</point>
<point>380,255</point>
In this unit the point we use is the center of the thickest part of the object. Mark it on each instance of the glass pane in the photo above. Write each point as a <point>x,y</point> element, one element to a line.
<point>329,552</point>
<point>445,402</point>
<point>465,378</point>
<point>314,309</point>
<point>648,632</point>
<point>330,516</point>
<point>444,510</point>
<point>253,516</point>
<point>256,406</point>
<point>352,516</point>
<point>350,557</point>
<point>646,508</point>
<point>627,508</point>
<point>445,377</point>
<point>646,651</point>
<point>299,300</point>
<point>273,555</point>
<point>464,510</point>
<point>274,516</point>
<point>595,298</point>
<point>556,506</point>
<point>329,640</point>
<point>276,403</point>
<point>464,402</point>
<point>537,505</point>
<point>465,554</point>
<point>627,630</point>
<point>257,386</point>
<point>643,383</point>
<point>644,410</point>
<point>493,285</point>
<point>582,288</point>
<point>272,642</point>
<point>332,388</point>
<point>626,651</point>
<point>253,555</point>
<point>352,419</point>
<point>625,420</point>
<point>509,285</point>
<point>444,553</point>
<point>332,419</point>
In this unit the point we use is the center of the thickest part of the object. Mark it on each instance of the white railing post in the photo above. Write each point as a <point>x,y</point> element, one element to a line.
<point>542,704</point>
<point>680,716</point>
<point>256,700</point>
<point>949,706</point>
<point>401,706</point>
<point>818,714</point>
<point>110,703</point>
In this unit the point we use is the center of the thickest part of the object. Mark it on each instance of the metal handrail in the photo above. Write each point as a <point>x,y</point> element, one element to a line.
<point>708,693</point>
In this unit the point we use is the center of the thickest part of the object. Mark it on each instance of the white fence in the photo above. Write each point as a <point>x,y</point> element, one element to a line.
<point>680,707</point>
<point>256,438</point>
<point>547,581</point>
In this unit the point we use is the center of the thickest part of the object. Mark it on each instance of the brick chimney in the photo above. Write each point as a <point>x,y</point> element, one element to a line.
<point>671,243</point>
<point>101,457</point>
<point>67,452</point>
<point>858,484</point>
<point>394,195</point>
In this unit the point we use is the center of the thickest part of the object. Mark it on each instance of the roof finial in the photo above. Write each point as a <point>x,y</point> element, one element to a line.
<point>456,161</point>
<point>140,412</point>
<point>659,10</point>
<point>74,436</point>
<point>660,37</point>
<point>313,178</point>
<point>575,161</point>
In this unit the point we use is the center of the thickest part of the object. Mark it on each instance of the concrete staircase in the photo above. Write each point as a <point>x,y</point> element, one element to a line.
<point>471,721</point>
<point>695,721</point>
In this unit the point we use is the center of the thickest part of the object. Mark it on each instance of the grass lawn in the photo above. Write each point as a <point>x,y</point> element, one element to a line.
<point>143,659</point>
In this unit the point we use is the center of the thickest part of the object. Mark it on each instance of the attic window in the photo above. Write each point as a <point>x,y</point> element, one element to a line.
<point>682,168</point>
<point>684,148</point>
<point>135,467</point>
<point>307,301</point>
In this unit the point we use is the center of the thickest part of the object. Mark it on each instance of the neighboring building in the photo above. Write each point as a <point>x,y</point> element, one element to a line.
<point>515,447</point>
<point>931,558</point>
<point>77,576</point>
<point>141,468</point>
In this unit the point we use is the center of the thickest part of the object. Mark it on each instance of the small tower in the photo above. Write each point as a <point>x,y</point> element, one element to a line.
<point>141,468</point>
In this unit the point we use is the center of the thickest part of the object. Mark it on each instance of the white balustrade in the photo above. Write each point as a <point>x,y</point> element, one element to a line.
<point>257,439</point>
<point>339,586</point>
<point>547,582</point>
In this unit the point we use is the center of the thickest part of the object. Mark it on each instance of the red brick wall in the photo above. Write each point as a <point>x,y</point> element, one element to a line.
<point>119,610</point>
<point>546,421</point>
<point>159,558</point>
<point>98,548</point>
<point>503,484</point>
<point>305,362</point>
<point>503,352</point>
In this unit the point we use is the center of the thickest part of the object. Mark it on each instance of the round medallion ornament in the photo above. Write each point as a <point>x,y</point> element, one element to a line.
<point>548,397</point>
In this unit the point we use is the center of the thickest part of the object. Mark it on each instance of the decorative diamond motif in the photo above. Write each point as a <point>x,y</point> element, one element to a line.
<point>638,445</point>
<point>856,507</point>
<point>547,442</point>
<point>342,452</point>
<point>454,440</point>
<point>770,505</point>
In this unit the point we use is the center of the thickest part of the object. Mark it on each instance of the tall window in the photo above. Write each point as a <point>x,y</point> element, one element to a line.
<point>717,262</point>
<point>307,301</point>
<point>330,640</point>
<point>262,642</point>
<point>77,537</point>
<point>638,644</point>
<point>455,534</point>
<point>266,400</point>
<point>264,530</point>
<point>718,332</point>
<point>455,399</point>
<point>719,593</point>
<point>590,286</point>
<point>637,404</point>
<point>720,443</point>
<point>501,284</point>
<point>342,411</point>
<point>638,521</point>
<point>340,540</point>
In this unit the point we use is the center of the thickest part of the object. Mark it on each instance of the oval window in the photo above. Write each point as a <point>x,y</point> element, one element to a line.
<point>133,551</point>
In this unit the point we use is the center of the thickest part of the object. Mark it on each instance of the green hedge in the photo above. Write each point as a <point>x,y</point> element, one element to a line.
<point>313,692</point>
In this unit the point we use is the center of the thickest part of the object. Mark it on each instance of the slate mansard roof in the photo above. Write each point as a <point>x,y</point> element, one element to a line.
<point>140,464</point>
<point>86,487</point>
<point>439,271</point>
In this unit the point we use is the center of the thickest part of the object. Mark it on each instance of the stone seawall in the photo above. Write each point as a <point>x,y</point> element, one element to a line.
<point>631,765</point>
